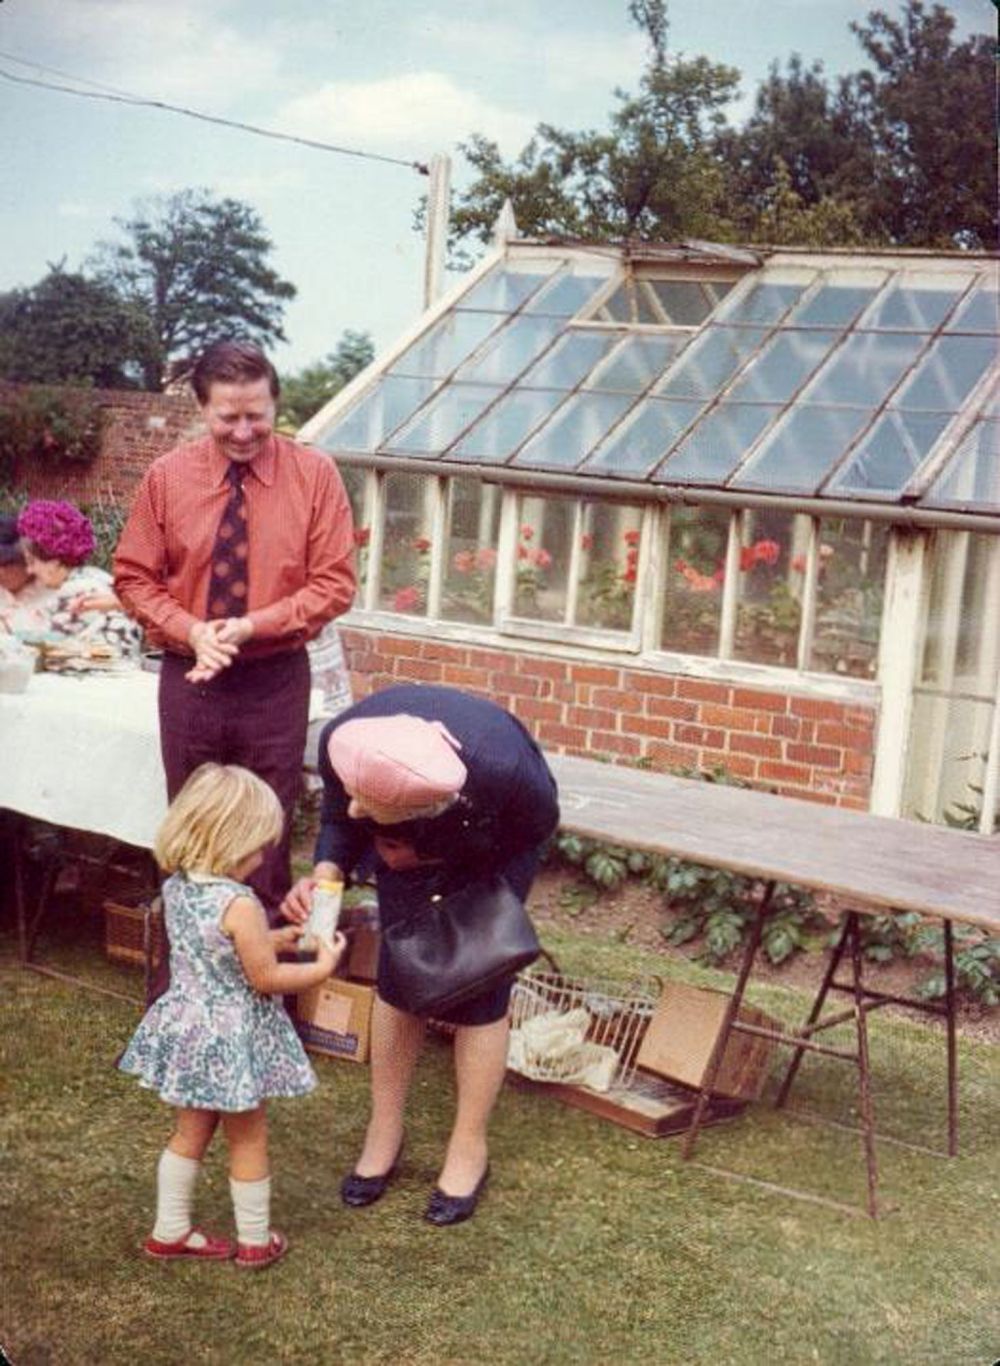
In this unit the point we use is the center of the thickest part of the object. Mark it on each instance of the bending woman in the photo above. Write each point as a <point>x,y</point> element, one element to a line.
<point>428,789</point>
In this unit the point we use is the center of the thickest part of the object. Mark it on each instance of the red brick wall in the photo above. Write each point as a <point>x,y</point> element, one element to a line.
<point>138,427</point>
<point>785,742</point>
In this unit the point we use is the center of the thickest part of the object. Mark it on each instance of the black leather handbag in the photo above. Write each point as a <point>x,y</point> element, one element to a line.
<point>454,946</point>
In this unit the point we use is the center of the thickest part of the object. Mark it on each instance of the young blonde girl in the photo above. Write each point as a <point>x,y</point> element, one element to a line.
<point>218,1043</point>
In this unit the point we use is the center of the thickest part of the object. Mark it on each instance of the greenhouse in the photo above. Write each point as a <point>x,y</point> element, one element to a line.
<point>715,507</point>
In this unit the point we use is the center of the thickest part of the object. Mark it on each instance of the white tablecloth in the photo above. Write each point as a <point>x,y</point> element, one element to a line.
<point>85,753</point>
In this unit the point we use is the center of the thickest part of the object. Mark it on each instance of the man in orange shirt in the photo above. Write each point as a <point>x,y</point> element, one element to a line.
<point>237,551</point>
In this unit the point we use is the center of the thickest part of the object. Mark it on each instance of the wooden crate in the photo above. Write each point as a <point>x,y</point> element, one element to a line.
<point>124,932</point>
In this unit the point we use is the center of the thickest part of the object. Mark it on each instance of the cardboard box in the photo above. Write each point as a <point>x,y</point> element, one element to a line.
<point>334,1018</point>
<point>681,1035</point>
<point>649,1105</point>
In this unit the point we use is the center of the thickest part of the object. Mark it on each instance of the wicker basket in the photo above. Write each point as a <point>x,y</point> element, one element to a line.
<point>134,934</point>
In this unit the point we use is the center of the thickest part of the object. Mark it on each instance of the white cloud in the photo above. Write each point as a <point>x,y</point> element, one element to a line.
<point>182,51</point>
<point>412,115</point>
<point>76,209</point>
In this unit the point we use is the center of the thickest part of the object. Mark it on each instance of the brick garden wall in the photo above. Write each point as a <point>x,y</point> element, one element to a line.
<point>785,742</point>
<point>138,427</point>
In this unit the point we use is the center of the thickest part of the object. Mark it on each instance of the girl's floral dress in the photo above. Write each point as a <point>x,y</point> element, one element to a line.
<point>211,1042</point>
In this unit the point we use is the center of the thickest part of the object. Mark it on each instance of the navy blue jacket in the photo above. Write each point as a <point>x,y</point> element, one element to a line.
<point>508,805</point>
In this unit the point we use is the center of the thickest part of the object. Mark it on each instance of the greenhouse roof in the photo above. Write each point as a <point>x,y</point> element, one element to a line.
<point>868,377</point>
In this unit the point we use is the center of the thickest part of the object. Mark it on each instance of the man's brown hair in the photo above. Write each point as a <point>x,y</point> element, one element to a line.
<point>232,362</point>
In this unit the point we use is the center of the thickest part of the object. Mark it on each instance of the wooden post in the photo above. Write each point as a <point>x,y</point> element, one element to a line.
<point>438,196</point>
<point>900,647</point>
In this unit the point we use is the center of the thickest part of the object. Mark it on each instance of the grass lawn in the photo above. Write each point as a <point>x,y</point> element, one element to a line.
<point>592,1244</point>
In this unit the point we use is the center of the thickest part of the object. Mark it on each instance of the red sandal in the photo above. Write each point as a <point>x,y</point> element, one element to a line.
<point>257,1256</point>
<point>214,1249</point>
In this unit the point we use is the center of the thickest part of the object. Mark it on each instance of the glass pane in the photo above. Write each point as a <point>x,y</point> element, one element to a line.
<point>456,407</point>
<point>863,370</point>
<point>946,762</point>
<point>802,449</point>
<point>446,345</point>
<point>567,295</point>
<point>406,546</point>
<point>838,301</point>
<point>507,354</point>
<point>890,453</point>
<point>572,357</point>
<point>692,605</point>
<point>622,306</point>
<point>849,589</point>
<point>980,312</point>
<point>915,303</point>
<point>784,364</point>
<point>946,374</point>
<point>766,299</point>
<point>639,443</point>
<point>769,606</point>
<point>380,412</point>
<point>972,476</point>
<point>710,453</point>
<point>609,558</point>
<point>573,431</point>
<point>543,551</point>
<point>685,303</point>
<point>506,288</point>
<point>470,551</point>
<point>636,363</point>
<point>355,483</point>
<point>709,361</point>
<point>506,424</point>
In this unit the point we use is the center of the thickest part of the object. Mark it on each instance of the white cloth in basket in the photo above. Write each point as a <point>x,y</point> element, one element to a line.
<point>553,1047</point>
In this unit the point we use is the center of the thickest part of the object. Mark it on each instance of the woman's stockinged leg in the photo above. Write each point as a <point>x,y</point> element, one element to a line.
<point>396,1042</point>
<point>480,1065</point>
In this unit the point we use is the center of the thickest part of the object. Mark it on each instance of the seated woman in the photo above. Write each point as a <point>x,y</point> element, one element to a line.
<point>25,604</point>
<point>57,540</point>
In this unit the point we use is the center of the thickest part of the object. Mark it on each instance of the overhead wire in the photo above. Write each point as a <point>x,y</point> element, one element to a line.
<point>118,97</point>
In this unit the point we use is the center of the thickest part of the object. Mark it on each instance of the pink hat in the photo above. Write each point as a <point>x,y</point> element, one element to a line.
<point>397,760</point>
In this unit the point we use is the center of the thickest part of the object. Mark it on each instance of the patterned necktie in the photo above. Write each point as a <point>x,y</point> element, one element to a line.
<point>227,588</point>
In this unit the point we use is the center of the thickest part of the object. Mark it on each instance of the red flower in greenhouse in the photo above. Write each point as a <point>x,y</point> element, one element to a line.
<point>463,561</point>
<point>631,538</point>
<point>486,557</point>
<point>766,552</point>
<point>542,558</point>
<point>405,599</point>
<point>527,532</point>
<point>631,555</point>
<point>362,535</point>
<point>586,541</point>
<point>630,574</point>
<point>523,552</point>
<point>422,544</point>
<point>798,563</point>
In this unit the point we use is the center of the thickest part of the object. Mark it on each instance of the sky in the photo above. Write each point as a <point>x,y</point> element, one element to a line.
<point>387,77</point>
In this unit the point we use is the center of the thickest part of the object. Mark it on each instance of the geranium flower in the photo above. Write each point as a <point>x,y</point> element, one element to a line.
<point>766,552</point>
<point>362,535</point>
<point>422,544</point>
<point>631,538</point>
<point>586,541</point>
<point>462,561</point>
<point>798,563</point>
<point>630,574</point>
<point>542,558</point>
<point>405,599</point>
<point>486,557</point>
<point>527,532</point>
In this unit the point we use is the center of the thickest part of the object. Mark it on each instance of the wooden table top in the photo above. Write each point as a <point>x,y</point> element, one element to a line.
<point>874,861</point>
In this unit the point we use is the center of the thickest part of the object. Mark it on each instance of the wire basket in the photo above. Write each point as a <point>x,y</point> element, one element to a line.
<point>578,1031</point>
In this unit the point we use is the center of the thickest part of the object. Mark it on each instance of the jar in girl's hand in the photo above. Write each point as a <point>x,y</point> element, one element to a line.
<point>324,913</point>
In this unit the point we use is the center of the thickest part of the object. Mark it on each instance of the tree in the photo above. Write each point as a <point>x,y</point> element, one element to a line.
<point>654,175</point>
<point>304,394</point>
<point>68,328</point>
<point>198,268</point>
<point>929,110</point>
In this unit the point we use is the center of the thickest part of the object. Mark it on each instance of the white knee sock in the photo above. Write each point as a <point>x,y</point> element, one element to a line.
<point>252,1208</point>
<point>175,1183</point>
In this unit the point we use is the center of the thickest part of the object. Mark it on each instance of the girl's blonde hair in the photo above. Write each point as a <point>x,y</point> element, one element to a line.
<point>221,816</point>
